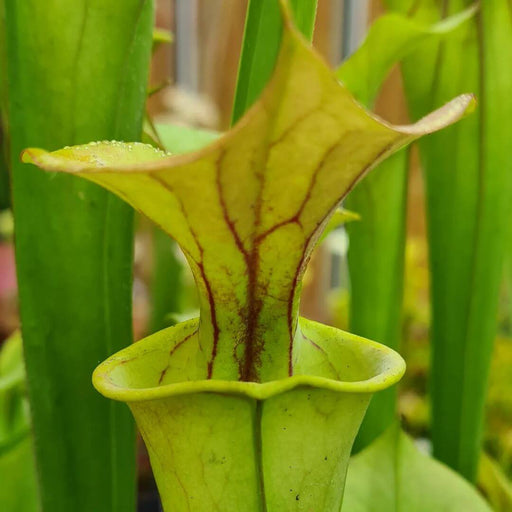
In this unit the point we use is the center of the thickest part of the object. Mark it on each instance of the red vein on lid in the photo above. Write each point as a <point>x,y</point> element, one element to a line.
<point>295,218</point>
<point>200,266</point>
<point>224,208</point>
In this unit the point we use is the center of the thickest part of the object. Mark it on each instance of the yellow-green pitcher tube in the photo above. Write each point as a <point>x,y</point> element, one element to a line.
<point>233,446</point>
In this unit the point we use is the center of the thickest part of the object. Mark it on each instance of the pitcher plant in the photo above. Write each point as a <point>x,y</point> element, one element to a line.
<point>250,407</point>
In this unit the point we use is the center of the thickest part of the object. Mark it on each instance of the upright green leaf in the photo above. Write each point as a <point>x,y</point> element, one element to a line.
<point>376,250</point>
<point>77,71</point>
<point>392,475</point>
<point>260,47</point>
<point>468,175</point>
<point>5,199</point>
<point>391,39</point>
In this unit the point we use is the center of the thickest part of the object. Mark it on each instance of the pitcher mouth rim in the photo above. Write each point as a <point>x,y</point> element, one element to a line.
<point>254,390</point>
<point>391,371</point>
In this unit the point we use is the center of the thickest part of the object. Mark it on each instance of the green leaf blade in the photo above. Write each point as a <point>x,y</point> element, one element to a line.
<point>377,243</point>
<point>75,76</point>
<point>469,191</point>
<point>391,475</point>
<point>390,39</point>
<point>262,37</point>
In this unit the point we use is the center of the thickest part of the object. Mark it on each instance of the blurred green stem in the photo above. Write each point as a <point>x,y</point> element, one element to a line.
<point>165,280</point>
<point>376,266</point>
